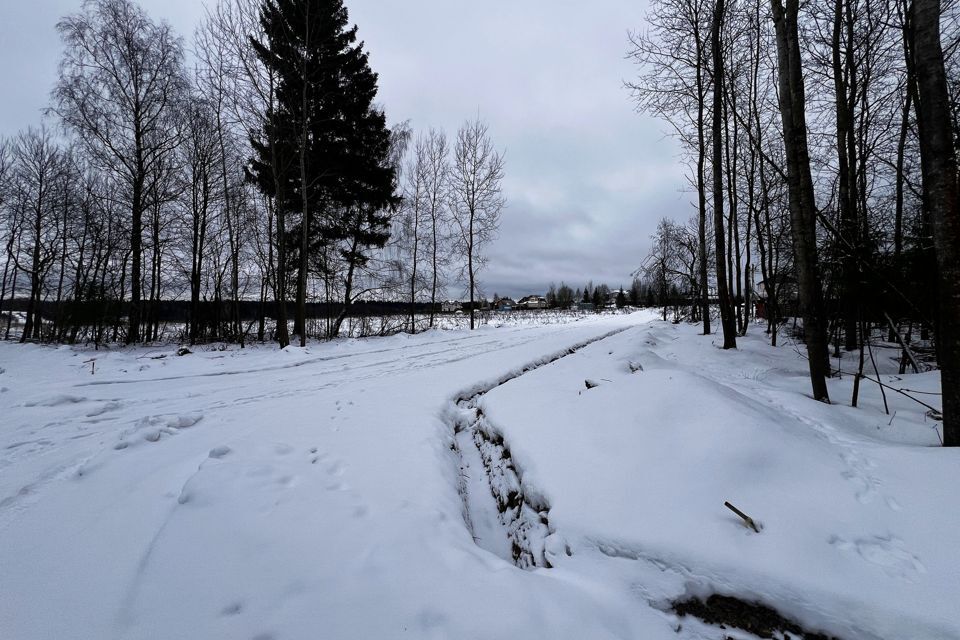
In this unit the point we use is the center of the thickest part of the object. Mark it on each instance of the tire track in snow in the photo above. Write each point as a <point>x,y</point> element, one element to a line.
<point>293,365</point>
<point>501,516</point>
<point>355,370</point>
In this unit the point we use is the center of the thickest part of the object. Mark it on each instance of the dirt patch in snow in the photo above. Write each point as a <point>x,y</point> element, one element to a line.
<point>752,617</point>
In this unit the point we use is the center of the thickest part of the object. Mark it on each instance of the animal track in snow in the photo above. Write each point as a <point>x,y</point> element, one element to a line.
<point>887,552</point>
<point>219,452</point>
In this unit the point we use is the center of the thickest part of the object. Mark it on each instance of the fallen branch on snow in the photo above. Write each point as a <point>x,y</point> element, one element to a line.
<point>747,519</point>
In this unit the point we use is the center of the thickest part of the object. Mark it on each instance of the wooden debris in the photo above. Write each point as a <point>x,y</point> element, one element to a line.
<point>747,519</point>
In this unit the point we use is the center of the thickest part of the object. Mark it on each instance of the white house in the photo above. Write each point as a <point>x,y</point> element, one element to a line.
<point>533,302</point>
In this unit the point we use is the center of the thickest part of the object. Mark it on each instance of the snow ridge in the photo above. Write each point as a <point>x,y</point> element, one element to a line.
<point>515,524</point>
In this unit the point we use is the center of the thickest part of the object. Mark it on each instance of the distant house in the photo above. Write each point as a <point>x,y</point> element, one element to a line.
<point>581,306</point>
<point>784,285</point>
<point>504,304</point>
<point>786,289</point>
<point>612,298</point>
<point>451,306</point>
<point>533,302</point>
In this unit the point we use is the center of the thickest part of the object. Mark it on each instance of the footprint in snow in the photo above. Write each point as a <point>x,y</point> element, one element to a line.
<point>153,428</point>
<point>106,407</point>
<point>887,552</point>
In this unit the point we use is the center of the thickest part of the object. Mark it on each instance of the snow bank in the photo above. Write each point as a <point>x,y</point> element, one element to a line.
<point>857,535</point>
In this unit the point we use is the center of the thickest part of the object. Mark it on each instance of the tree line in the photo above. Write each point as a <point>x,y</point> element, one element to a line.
<point>265,172</point>
<point>821,142</point>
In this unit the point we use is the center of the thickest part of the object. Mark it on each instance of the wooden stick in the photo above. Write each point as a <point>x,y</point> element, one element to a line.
<point>747,519</point>
<point>903,345</point>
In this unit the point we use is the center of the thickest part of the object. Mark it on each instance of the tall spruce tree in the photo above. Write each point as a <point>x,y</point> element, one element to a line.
<point>324,153</point>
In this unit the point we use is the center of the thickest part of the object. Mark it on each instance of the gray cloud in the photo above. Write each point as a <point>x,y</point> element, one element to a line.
<point>587,177</point>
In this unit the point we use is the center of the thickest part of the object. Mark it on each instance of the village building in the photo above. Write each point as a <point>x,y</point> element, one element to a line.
<point>533,302</point>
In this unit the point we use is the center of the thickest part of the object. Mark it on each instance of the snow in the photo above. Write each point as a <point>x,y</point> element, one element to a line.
<point>342,490</point>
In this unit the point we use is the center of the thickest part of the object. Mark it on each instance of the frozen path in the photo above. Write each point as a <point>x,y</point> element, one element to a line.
<point>267,495</point>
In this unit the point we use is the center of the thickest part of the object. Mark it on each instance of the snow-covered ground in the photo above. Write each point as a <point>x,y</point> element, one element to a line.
<point>324,493</point>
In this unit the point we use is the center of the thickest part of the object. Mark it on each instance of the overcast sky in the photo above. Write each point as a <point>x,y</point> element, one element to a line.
<point>587,177</point>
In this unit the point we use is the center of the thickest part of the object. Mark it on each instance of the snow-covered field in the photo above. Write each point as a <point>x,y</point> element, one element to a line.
<point>324,493</point>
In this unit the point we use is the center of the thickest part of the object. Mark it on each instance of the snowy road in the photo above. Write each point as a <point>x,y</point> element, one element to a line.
<point>324,493</point>
<point>261,494</point>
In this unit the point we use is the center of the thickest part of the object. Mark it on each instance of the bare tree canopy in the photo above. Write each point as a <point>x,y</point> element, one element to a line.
<point>476,200</point>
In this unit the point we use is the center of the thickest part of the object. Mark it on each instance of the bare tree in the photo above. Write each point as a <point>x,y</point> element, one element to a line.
<point>421,228</point>
<point>7,229</point>
<point>674,86</point>
<point>413,223</point>
<point>476,199</point>
<point>200,157</point>
<point>436,176</point>
<point>247,90</point>
<point>803,214</point>
<point>939,161</point>
<point>120,80</point>
<point>673,264</point>
<point>215,80</point>
<point>727,319</point>
<point>37,187</point>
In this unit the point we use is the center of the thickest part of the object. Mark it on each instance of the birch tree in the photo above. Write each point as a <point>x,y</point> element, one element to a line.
<point>121,78</point>
<point>476,200</point>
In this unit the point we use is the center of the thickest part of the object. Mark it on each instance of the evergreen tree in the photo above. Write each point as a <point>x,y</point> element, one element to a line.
<point>635,289</point>
<point>324,153</point>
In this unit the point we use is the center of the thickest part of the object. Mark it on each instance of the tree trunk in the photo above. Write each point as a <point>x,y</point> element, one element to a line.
<point>726,311</point>
<point>434,250</point>
<point>802,205</point>
<point>300,321</point>
<point>413,274</point>
<point>939,167</point>
<point>846,198</point>
<point>470,272</point>
<point>348,293</point>
<point>702,190</point>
